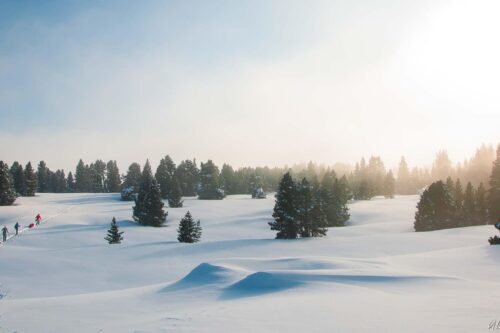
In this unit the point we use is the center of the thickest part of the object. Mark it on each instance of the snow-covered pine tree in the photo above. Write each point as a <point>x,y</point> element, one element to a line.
<point>285,220</point>
<point>7,192</point>
<point>494,192</point>
<point>469,206</point>
<point>189,231</point>
<point>495,240</point>
<point>435,210</point>
<point>30,180</point>
<point>210,184</point>
<point>114,235</point>
<point>148,209</point>
<point>175,195</point>
<point>389,185</point>
<point>481,206</point>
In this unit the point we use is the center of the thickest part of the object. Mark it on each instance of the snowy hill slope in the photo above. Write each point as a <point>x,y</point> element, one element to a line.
<point>376,274</point>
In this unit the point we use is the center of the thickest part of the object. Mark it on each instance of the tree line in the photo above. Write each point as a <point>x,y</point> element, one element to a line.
<point>446,204</point>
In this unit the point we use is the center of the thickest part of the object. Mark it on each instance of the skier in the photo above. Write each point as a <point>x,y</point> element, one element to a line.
<point>5,231</point>
<point>38,218</point>
<point>17,226</point>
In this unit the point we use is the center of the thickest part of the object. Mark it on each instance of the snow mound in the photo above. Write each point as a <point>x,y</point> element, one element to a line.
<point>206,274</point>
<point>261,283</point>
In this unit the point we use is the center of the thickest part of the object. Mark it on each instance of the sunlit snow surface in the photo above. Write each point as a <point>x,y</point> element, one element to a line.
<point>375,275</point>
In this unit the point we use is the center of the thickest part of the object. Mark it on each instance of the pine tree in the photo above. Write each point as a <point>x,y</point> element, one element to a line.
<point>43,178</point>
<point>469,206</point>
<point>175,195</point>
<point>113,181</point>
<point>133,178</point>
<point>71,183</point>
<point>18,176</point>
<point>285,220</point>
<point>228,179</point>
<point>304,206</point>
<point>481,206</point>
<point>403,184</point>
<point>97,172</point>
<point>165,176</point>
<point>7,192</point>
<point>58,180</point>
<point>435,210</point>
<point>210,184</point>
<point>188,176</point>
<point>389,185</point>
<point>82,177</point>
<point>333,200</point>
<point>114,235</point>
<point>494,192</point>
<point>189,231</point>
<point>148,209</point>
<point>30,180</point>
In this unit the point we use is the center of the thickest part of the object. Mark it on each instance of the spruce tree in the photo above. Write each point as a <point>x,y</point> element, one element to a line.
<point>30,180</point>
<point>333,196</point>
<point>435,210</point>
<point>133,177</point>
<point>18,176</point>
<point>148,209</point>
<point>43,178</point>
<point>284,214</point>
<point>7,191</point>
<point>71,183</point>
<point>188,176</point>
<point>494,192</point>
<point>114,235</point>
<point>304,206</point>
<point>82,177</point>
<point>469,206</point>
<point>481,205</point>
<point>210,184</point>
<point>113,181</point>
<point>175,195</point>
<point>189,231</point>
<point>164,175</point>
<point>389,185</point>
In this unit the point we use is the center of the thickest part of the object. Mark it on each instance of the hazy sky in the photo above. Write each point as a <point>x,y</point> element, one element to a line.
<point>247,82</point>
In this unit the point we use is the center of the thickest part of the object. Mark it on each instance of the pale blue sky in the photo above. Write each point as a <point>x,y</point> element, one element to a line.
<point>247,82</point>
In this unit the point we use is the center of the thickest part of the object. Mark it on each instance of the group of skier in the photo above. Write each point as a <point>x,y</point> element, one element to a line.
<point>17,226</point>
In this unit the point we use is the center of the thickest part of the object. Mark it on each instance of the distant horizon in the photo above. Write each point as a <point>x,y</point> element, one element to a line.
<point>123,166</point>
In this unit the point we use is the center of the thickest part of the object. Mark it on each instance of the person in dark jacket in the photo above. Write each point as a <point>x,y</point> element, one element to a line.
<point>17,226</point>
<point>5,232</point>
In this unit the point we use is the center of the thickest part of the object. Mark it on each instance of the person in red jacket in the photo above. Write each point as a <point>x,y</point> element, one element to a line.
<point>38,218</point>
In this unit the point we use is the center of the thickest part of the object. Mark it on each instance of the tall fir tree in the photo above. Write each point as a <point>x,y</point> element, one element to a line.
<point>304,205</point>
<point>133,177</point>
<point>7,191</point>
<point>435,210</point>
<point>389,185</point>
<point>469,216</point>
<point>113,181</point>
<point>481,205</point>
<point>114,235</point>
<point>71,183</point>
<point>189,231</point>
<point>210,184</point>
<point>43,178</point>
<point>165,176</point>
<point>494,192</point>
<point>333,200</point>
<point>284,214</point>
<point>82,177</point>
<point>17,172</point>
<point>175,195</point>
<point>148,209</point>
<point>30,180</point>
<point>188,176</point>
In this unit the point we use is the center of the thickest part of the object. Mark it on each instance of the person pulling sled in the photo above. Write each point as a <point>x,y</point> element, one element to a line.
<point>38,219</point>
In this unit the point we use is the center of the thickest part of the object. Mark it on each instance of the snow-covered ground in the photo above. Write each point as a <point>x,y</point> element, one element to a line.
<point>376,275</point>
